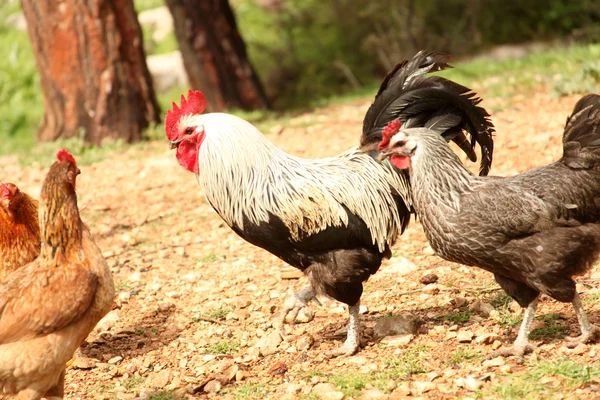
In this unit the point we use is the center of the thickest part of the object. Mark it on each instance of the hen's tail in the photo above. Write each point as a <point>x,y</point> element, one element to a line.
<point>581,138</point>
<point>409,94</point>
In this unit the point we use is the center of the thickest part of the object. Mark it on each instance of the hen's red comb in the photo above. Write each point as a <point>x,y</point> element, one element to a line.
<point>388,132</point>
<point>194,104</point>
<point>5,191</point>
<point>64,155</point>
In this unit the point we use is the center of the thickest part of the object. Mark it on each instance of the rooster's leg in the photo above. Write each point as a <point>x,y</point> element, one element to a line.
<point>352,341</point>
<point>589,332</point>
<point>521,345</point>
<point>294,304</point>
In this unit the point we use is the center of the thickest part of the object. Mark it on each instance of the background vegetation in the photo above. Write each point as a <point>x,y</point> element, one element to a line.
<point>312,52</point>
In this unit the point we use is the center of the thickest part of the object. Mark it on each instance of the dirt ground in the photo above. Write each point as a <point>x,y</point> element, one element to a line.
<point>195,303</point>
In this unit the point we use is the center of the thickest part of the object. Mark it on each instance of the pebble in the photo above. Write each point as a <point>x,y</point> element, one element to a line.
<point>372,394</point>
<point>115,360</point>
<point>213,386</point>
<point>486,338</point>
<point>398,340</point>
<point>428,279</point>
<point>268,344</point>
<point>305,342</point>
<point>464,336</point>
<point>161,379</point>
<point>494,362</point>
<point>327,391</point>
<point>481,307</point>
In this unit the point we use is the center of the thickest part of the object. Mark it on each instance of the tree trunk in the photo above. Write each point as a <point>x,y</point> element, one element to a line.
<point>214,54</point>
<point>93,70</point>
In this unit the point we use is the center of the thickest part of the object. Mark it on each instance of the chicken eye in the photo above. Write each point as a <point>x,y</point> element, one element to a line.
<point>189,130</point>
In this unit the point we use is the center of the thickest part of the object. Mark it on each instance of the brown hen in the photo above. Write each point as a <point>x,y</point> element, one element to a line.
<point>19,229</point>
<point>48,307</point>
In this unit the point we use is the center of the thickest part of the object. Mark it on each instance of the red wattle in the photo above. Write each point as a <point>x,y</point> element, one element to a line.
<point>400,162</point>
<point>187,152</point>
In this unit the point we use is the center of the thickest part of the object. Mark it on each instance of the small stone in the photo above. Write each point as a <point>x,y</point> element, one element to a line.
<point>305,342</point>
<point>459,302</point>
<point>472,384</point>
<point>428,279</point>
<point>494,362</point>
<point>505,369</point>
<point>496,345</point>
<point>372,394</point>
<point>161,379</point>
<point>279,368</point>
<point>422,387</point>
<point>327,391</point>
<point>362,309</point>
<point>464,336</point>
<point>396,325</point>
<point>305,315</point>
<point>115,360</point>
<point>84,363</point>
<point>268,344</point>
<point>213,386</point>
<point>579,349</point>
<point>402,390</point>
<point>481,307</point>
<point>486,338</point>
<point>398,340</point>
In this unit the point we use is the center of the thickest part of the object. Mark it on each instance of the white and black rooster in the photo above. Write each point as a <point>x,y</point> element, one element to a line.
<point>333,218</point>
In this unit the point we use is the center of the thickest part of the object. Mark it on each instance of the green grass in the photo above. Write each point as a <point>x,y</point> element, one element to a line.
<point>462,354</point>
<point>500,301</point>
<point>457,317</point>
<point>133,382</point>
<point>209,258</point>
<point>512,76</point>
<point>401,367</point>
<point>217,313</point>
<point>249,391</point>
<point>570,374</point>
<point>223,347</point>
<point>553,329</point>
<point>166,395</point>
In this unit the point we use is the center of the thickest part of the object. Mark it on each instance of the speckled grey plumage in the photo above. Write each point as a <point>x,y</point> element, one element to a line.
<point>534,231</point>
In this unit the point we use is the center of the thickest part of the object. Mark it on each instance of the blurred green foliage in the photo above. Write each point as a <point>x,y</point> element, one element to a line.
<point>316,52</point>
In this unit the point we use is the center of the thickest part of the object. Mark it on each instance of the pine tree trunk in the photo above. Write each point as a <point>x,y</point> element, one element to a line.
<point>214,54</point>
<point>93,70</point>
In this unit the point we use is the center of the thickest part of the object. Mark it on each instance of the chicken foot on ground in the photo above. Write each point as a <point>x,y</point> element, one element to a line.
<point>589,332</point>
<point>352,342</point>
<point>293,305</point>
<point>521,345</point>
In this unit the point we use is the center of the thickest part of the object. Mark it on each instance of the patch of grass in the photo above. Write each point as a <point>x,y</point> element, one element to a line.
<point>501,300</point>
<point>401,367</point>
<point>209,258</point>
<point>585,80</point>
<point>570,374</point>
<point>249,391</point>
<point>308,376</point>
<point>593,298</point>
<point>119,286</point>
<point>108,387</point>
<point>457,317</point>
<point>505,78</point>
<point>223,347</point>
<point>508,319</point>
<point>552,330</point>
<point>217,313</point>
<point>395,253</point>
<point>166,395</point>
<point>462,354</point>
<point>132,382</point>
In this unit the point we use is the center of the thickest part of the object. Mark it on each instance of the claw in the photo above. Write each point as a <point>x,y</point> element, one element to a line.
<point>590,335</point>
<point>516,350</point>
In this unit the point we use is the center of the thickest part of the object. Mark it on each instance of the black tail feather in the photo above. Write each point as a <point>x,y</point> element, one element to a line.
<point>581,138</point>
<point>408,94</point>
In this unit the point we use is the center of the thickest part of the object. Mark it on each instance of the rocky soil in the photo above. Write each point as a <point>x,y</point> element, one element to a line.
<point>195,304</point>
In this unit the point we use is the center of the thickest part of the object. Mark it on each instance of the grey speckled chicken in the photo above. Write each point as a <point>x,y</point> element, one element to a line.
<point>533,231</point>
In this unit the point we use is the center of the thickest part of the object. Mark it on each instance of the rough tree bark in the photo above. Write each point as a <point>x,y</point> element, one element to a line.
<point>214,54</point>
<point>92,68</point>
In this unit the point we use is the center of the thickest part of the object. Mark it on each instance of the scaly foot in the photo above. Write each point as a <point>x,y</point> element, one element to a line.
<point>515,350</point>
<point>587,336</point>
<point>292,307</point>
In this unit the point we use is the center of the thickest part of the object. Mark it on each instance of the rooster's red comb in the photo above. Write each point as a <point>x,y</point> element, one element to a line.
<point>388,132</point>
<point>64,155</point>
<point>194,104</point>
